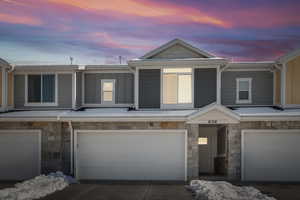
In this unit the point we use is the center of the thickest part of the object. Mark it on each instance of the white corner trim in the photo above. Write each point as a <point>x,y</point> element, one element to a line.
<point>74,88</point>
<point>136,88</point>
<point>283,84</point>
<point>4,89</point>
<point>113,81</point>
<point>238,101</point>
<point>82,88</point>
<point>219,85</point>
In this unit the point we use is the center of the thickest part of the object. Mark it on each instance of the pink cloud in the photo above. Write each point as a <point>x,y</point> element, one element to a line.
<point>146,9</point>
<point>103,38</point>
<point>14,19</point>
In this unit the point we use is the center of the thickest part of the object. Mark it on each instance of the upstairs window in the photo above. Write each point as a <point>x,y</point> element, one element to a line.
<point>177,86</point>
<point>108,91</point>
<point>41,89</point>
<point>243,90</point>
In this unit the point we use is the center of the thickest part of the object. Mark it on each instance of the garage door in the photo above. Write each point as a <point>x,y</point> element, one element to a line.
<point>19,154</point>
<point>131,155</point>
<point>270,155</point>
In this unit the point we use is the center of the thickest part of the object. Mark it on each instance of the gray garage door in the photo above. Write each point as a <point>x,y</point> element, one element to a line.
<point>19,154</point>
<point>271,155</point>
<point>131,155</point>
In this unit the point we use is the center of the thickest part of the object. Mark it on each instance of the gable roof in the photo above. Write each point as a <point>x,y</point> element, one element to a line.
<point>4,63</point>
<point>289,56</point>
<point>214,113</point>
<point>173,43</point>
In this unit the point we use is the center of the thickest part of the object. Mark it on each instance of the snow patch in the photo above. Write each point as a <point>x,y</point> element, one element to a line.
<point>35,188</point>
<point>221,190</point>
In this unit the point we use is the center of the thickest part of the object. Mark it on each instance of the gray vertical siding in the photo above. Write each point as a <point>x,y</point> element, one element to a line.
<point>64,92</point>
<point>19,91</point>
<point>205,87</point>
<point>78,89</point>
<point>149,88</point>
<point>262,87</point>
<point>124,87</point>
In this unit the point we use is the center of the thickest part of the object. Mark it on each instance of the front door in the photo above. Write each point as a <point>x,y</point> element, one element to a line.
<point>207,143</point>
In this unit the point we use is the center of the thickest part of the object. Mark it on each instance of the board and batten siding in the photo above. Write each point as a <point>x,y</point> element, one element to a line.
<point>64,92</point>
<point>205,87</point>
<point>124,88</point>
<point>293,82</point>
<point>149,88</point>
<point>78,89</point>
<point>277,85</point>
<point>262,87</point>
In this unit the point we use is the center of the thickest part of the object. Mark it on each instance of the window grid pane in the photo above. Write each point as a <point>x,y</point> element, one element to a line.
<point>48,92</point>
<point>108,86</point>
<point>243,95</point>
<point>107,91</point>
<point>184,89</point>
<point>107,96</point>
<point>202,140</point>
<point>170,89</point>
<point>34,88</point>
<point>244,85</point>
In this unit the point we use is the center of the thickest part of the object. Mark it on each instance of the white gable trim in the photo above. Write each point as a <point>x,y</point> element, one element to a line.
<point>172,43</point>
<point>214,114</point>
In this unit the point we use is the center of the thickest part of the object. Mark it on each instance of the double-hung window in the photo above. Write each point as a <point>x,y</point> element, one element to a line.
<point>243,90</point>
<point>107,91</point>
<point>177,87</point>
<point>41,89</point>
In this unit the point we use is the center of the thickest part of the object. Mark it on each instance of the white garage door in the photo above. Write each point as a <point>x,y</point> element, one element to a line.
<point>19,154</point>
<point>271,155</point>
<point>131,155</point>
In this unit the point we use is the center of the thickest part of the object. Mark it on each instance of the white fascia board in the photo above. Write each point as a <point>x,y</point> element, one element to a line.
<point>289,56</point>
<point>52,68</point>
<point>269,118</point>
<point>177,62</point>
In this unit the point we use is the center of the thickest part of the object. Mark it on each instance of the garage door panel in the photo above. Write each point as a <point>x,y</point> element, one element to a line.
<point>271,155</point>
<point>131,155</point>
<point>20,155</point>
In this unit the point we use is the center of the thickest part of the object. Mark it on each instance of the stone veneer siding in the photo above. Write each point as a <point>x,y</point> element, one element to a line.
<point>56,140</point>
<point>234,141</point>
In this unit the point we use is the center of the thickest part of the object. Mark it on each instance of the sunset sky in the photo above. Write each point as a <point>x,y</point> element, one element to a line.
<point>98,31</point>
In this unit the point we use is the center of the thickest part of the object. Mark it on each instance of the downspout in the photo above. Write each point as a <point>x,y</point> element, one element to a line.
<point>71,148</point>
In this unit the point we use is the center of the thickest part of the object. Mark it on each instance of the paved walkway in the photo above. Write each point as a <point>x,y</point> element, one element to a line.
<point>143,191</point>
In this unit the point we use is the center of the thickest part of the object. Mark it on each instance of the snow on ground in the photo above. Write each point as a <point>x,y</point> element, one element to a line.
<point>221,190</point>
<point>35,188</point>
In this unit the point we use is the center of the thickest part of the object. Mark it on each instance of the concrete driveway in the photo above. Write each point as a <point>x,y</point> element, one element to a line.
<point>123,191</point>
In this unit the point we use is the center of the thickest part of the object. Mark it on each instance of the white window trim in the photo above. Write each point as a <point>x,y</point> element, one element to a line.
<point>55,103</point>
<point>113,92</point>
<point>238,101</point>
<point>178,105</point>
